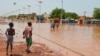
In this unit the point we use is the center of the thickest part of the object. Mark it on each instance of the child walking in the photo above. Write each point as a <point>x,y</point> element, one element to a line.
<point>52,25</point>
<point>28,35</point>
<point>10,32</point>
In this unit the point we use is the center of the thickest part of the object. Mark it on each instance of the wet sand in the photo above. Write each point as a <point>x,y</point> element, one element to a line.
<point>38,49</point>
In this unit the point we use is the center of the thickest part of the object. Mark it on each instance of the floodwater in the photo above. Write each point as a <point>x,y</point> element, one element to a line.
<point>70,40</point>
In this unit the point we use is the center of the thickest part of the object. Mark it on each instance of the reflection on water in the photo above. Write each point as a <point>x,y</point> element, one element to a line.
<point>74,39</point>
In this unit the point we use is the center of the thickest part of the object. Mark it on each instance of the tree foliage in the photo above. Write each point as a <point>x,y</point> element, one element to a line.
<point>57,13</point>
<point>71,15</point>
<point>12,16</point>
<point>96,13</point>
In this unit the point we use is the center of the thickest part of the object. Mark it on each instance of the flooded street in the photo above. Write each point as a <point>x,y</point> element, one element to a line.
<point>70,40</point>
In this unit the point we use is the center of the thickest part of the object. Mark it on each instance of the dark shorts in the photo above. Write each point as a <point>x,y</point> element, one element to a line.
<point>29,41</point>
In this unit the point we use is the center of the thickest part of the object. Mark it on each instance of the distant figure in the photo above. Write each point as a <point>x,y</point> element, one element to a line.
<point>10,32</point>
<point>52,25</point>
<point>80,21</point>
<point>28,35</point>
<point>57,22</point>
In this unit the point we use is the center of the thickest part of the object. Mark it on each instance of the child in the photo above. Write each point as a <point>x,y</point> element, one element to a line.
<point>52,25</point>
<point>57,22</point>
<point>10,32</point>
<point>28,35</point>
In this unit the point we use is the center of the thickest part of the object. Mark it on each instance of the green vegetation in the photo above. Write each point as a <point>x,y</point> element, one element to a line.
<point>96,13</point>
<point>57,13</point>
<point>71,15</point>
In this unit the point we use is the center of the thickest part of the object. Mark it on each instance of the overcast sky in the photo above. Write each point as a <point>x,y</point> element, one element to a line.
<point>78,6</point>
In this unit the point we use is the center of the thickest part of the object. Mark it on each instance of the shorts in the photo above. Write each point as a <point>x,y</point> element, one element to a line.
<point>52,25</point>
<point>29,41</point>
<point>57,25</point>
<point>10,39</point>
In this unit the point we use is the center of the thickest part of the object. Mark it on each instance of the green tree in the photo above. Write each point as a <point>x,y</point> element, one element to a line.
<point>12,16</point>
<point>71,15</point>
<point>20,16</point>
<point>32,15</point>
<point>57,13</point>
<point>96,13</point>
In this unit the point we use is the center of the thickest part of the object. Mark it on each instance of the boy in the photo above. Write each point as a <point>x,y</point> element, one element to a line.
<point>52,25</point>
<point>57,22</point>
<point>28,35</point>
<point>10,32</point>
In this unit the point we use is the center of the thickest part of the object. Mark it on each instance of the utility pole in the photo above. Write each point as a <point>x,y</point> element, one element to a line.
<point>61,11</point>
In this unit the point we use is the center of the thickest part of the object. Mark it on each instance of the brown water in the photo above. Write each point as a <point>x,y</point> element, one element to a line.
<point>70,40</point>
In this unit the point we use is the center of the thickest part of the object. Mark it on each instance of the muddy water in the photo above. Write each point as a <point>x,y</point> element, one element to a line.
<point>70,40</point>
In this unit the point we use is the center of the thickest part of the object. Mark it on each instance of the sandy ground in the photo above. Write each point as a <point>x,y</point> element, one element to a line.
<point>38,49</point>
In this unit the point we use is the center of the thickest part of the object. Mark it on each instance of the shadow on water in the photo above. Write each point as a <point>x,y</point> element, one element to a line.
<point>16,55</point>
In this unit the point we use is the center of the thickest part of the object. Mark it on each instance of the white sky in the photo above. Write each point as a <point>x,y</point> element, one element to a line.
<point>78,6</point>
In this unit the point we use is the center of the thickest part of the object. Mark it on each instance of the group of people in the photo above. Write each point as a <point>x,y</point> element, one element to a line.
<point>27,33</point>
<point>55,23</point>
